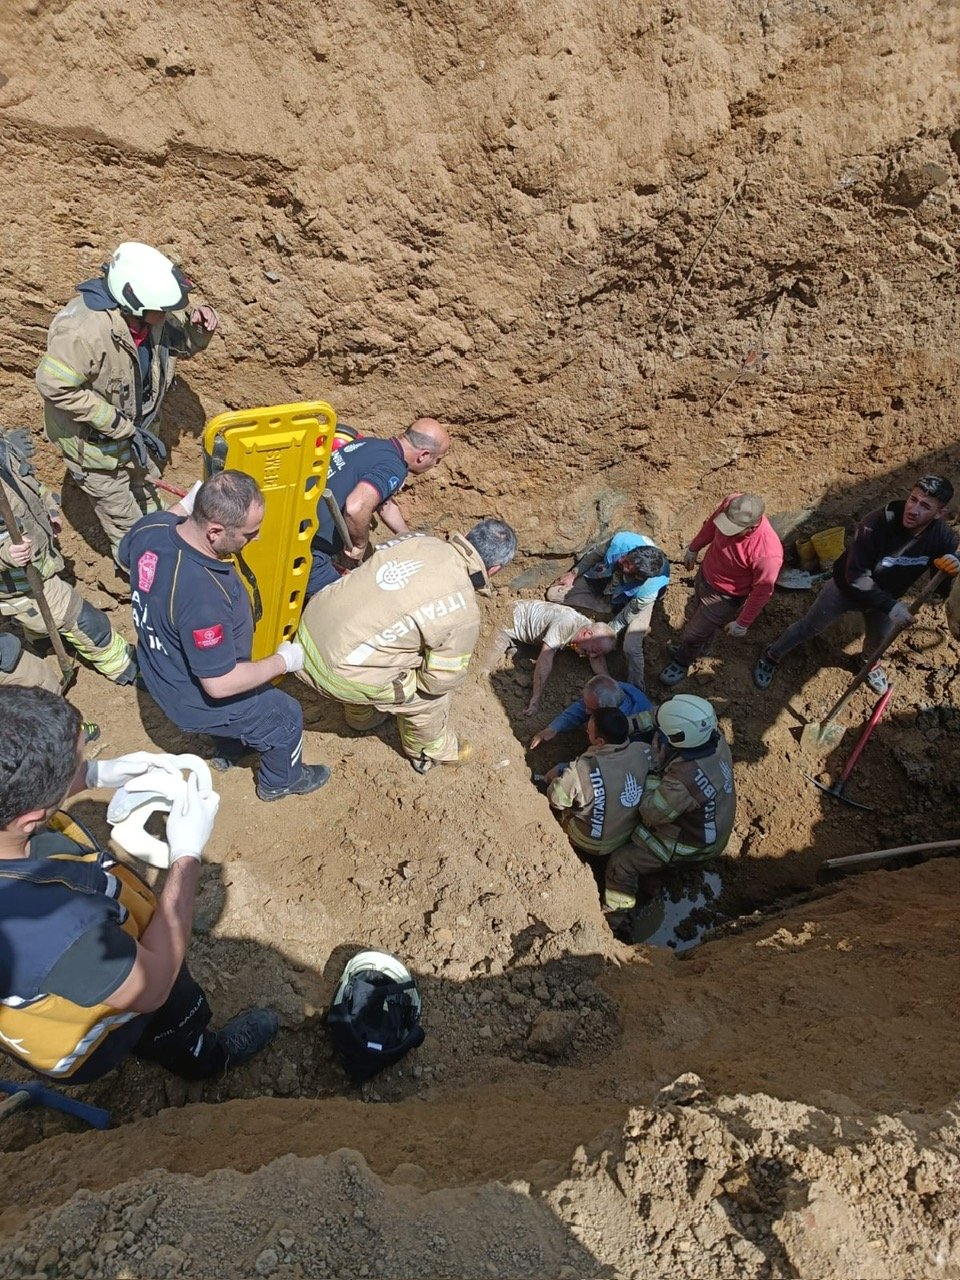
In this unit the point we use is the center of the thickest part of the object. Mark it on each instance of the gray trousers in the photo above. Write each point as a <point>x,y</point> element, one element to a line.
<point>709,610</point>
<point>829,605</point>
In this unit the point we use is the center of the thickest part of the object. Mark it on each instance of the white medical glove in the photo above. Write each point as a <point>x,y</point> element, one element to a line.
<point>735,629</point>
<point>114,773</point>
<point>190,497</point>
<point>191,819</point>
<point>292,654</point>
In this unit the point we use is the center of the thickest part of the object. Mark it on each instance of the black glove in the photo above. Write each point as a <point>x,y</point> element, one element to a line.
<point>141,441</point>
<point>20,442</point>
<point>11,648</point>
<point>139,450</point>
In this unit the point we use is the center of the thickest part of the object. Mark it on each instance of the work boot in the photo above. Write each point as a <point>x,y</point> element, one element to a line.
<point>764,671</point>
<point>131,671</point>
<point>423,764</point>
<point>247,1034</point>
<point>673,673</point>
<point>312,778</point>
<point>877,680</point>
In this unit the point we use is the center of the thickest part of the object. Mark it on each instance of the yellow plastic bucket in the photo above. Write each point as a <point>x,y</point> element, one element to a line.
<point>806,554</point>
<point>828,544</point>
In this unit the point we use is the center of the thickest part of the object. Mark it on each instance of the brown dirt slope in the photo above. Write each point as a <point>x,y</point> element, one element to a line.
<point>637,259</point>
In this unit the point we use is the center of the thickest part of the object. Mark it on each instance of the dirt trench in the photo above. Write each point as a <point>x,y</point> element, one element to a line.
<point>637,260</point>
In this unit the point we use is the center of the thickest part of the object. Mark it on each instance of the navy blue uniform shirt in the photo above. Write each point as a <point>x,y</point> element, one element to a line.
<point>380,464</point>
<point>193,620</point>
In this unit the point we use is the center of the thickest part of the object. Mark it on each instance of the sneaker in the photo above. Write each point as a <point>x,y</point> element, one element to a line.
<point>247,1034</point>
<point>423,764</point>
<point>673,673</point>
<point>877,680</point>
<point>312,778</point>
<point>764,671</point>
<point>90,731</point>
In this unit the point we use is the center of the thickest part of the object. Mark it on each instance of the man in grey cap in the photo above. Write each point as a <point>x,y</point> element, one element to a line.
<point>744,557</point>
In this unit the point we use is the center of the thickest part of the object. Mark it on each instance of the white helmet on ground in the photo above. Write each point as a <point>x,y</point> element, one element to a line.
<point>686,720</point>
<point>143,279</point>
<point>377,962</point>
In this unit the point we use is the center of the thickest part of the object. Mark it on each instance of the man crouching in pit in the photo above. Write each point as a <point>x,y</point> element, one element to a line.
<point>91,961</point>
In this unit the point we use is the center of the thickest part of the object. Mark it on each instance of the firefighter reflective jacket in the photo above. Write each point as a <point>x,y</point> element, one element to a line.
<point>598,795</point>
<point>688,807</point>
<point>405,621</point>
<point>94,391</point>
<point>32,505</point>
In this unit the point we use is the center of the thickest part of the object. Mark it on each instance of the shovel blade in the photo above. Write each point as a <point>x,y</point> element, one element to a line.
<point>819,737</point>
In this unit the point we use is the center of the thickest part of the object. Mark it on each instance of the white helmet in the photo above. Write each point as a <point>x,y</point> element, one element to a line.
<point>377,962</point>
<point>143,279</point>
<point>686,720</point>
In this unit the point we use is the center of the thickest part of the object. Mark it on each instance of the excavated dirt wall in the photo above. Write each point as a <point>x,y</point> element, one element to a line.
<point>637,257</point>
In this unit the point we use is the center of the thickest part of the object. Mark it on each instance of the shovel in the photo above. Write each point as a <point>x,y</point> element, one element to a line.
<point>31,1091</point>
<point>823,735</point>
<point>839,788</point>
<point>68,668</point>
<point>801,579</point>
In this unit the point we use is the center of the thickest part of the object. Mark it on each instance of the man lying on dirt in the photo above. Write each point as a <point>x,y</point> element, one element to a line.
<point>91,962</point>
<point>597,796</point>
<point>689,802</point>
<point>553,627</point>
<point>395,636</point>
<point>600,692</point>
<point>363,478</point>
<point>891,548</point>
<point>621,579</point>
<point>195,626</point>
<point>737,578</point>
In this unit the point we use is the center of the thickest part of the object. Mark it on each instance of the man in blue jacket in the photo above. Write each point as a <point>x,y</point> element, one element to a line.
<point>92,961</point>
<point>603,691</point>
<point>621,579</point>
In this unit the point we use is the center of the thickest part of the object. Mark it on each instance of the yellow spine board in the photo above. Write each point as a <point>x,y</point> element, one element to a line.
<point>286,449</point>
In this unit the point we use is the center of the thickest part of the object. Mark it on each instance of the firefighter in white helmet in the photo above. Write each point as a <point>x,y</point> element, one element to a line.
<point>689,802</point>
<point>111,357</point>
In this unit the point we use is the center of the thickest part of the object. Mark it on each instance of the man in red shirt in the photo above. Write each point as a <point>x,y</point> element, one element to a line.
<point>737,577</point>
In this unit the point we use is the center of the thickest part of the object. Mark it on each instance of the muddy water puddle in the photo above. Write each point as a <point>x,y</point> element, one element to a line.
<point>679,914</point>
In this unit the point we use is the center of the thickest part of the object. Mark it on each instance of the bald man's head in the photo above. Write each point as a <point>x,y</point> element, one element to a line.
<point>424,444</point>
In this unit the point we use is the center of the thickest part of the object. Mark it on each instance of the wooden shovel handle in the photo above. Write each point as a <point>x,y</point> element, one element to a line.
<point>881,648</point>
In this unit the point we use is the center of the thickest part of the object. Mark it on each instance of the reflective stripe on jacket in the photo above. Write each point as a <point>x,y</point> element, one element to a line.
<point>408,615</point>
<point>49,1033</point>
<point>91,385</point>
<point>687,811</point>
<point>598,795</point>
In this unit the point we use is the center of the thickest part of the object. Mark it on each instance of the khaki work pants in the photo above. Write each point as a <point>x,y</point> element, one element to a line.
<point>119,497</point>
<point>85,628</point>
<point>581,596</point>
<point>31,672</point>
<point>421,721</point>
